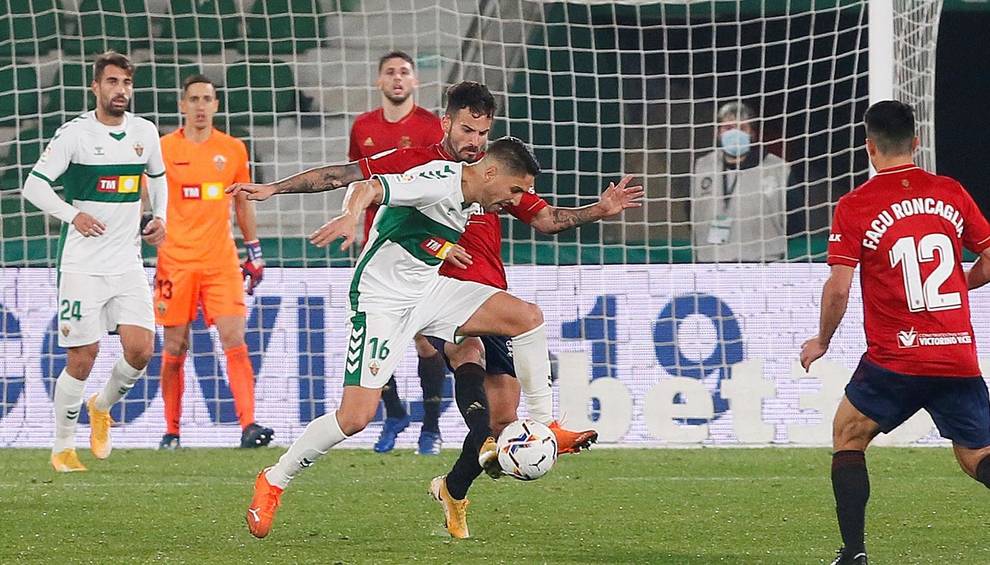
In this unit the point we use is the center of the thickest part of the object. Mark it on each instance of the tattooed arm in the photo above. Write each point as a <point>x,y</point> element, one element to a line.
<point>318,179</point>
<point>614,200</point>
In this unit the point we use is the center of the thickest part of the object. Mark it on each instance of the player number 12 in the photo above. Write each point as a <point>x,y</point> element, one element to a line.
<point>924,295</point>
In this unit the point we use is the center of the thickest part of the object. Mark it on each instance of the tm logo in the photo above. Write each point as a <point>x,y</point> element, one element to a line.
<point>908,338</point>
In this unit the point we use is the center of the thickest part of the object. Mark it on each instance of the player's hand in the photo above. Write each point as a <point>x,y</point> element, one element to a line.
<point>458,257</point>
<point>812,350</point>
<point>343,226</point>
<point>253,268</point>
<point>618,197</point>
<point>88,226</point>
<point>252,191</point>
<point>154,232</point>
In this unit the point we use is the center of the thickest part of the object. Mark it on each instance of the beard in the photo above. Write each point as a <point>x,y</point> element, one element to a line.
<point>397,98</point>
<point>111,110</point>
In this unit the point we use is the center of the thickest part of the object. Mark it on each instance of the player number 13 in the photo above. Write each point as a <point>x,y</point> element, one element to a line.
<point>925,295</point>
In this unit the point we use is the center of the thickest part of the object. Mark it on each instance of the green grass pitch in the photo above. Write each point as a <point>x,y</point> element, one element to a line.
<point>683,507</point>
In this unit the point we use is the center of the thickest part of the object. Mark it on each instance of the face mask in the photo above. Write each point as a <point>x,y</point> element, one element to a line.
<point>735,142</point>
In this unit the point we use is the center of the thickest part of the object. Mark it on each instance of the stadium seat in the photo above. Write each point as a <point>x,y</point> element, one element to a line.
<point>69,97</point>
<point>33,28</point>
<point>199,28</point>
<point>283,27</point>
<point>121,25</point>
<point>18,92</point>
<point>256,91</point>
<point>157,87</point>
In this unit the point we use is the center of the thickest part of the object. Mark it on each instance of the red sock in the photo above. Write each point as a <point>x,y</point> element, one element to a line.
<point>241,379</point>
<point>173,384</point>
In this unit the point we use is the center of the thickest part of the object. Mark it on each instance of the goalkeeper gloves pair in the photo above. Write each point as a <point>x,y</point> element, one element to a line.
<point>254,268</point>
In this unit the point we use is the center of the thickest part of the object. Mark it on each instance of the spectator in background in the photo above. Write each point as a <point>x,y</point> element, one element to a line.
<point>396,124</point>
<point>738,191</point>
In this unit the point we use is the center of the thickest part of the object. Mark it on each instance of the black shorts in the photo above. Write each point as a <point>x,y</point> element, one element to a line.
<point>960,406</point>
<point>498,354</point>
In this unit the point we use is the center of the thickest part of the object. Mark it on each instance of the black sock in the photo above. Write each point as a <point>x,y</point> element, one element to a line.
<point>851,486</point>
<point>469,392</point>
<point>432,371</point>
<point>983,471</point>
<point>390,396</point>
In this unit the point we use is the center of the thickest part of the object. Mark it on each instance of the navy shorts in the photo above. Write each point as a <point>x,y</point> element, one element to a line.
<point>960,406</point>
<point>498,354</point>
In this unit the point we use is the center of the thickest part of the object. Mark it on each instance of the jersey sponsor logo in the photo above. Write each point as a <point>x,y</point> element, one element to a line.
<point>205,191</point>
<point>219,161</point>
<point>437,247</point>
<point>128,184</point>
<point>834,237</point>
<point>404,142</point>
<point>368,142</point>
<point>98,151</point>
<point>138,149</point>
<point>911,338</point>
<point>406,177</point>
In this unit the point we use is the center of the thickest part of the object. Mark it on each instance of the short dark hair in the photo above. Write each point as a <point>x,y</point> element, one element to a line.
<point>512,152</point>
<point>471,95</point>
<point>396,55</point>
<point>104,60</point>
<point>890,124</point>
<point>197,79</point>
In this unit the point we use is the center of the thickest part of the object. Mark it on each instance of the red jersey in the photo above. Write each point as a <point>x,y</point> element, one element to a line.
<point>483,236</point>
<point>371,134</point>
<point>907,228</point>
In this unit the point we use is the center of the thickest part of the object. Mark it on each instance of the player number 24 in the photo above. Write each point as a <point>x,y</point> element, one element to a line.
<point>925,295</point>
<point>70,310</point>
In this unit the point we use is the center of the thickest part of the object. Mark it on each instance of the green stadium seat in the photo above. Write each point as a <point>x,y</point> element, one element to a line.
<point>257,91</point>
<point>283,27</point>
<point>69,96</point>
<point>121,25</point>
<point>157,87</point>
<point>18,91</point>
<point>33,28</point>
<point>199,28</point>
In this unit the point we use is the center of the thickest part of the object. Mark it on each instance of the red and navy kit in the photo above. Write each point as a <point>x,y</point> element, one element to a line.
<point>483,237</point>
<point>906,228</point>
<point>372,134</point>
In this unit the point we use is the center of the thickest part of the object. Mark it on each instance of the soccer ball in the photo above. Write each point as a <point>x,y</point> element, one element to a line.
<point>527,450</point>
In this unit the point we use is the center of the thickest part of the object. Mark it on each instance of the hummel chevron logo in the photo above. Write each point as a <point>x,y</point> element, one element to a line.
<point>254,514</point>
<point>353,356</point>
<point>357,333</point>
<point>71,414</point>
<point>353,367</point>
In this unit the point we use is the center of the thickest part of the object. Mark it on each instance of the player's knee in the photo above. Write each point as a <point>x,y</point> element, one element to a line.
<point>528,317</point>
<point>423,347</point>
<point>352,422</point>
<point>80,360</point>
<point>138,352</point>
<point>176,346</point>
<point>468,351</point>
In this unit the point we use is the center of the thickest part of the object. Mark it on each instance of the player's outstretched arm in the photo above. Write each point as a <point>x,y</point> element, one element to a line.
<point>359,196</point>
<point>835,298</point>
<point>318,179</point>
<point>615,199</point>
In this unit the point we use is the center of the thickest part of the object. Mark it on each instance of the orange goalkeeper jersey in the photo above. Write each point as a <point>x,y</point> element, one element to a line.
<point>198,232</point>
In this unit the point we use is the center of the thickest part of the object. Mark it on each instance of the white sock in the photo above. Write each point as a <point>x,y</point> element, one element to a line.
<point>122,379</point>
<point>67,402</point>
<point>532,361</point>
<point>319,436</point>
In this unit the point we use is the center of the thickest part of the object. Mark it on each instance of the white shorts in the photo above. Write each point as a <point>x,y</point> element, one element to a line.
<point>379,338</point>
<point>89,306</point>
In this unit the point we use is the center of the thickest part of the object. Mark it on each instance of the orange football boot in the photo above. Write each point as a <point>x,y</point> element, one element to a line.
<point>572,442</point>
<point>261,514</point>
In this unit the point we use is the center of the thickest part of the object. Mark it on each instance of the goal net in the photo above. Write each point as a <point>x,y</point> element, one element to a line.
<point>659,318</point>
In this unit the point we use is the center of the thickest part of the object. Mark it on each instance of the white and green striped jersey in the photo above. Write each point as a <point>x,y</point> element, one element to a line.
<point>100,168</point>
<point>423,214</point>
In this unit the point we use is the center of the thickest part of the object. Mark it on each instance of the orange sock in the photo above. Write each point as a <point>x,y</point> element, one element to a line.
<point>241,379</point>
<point>173,384</point>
